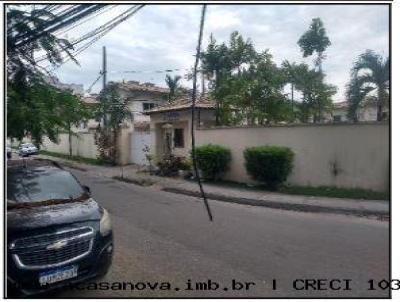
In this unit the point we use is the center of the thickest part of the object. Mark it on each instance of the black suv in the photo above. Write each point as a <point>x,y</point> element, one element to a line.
<point>57,235</point>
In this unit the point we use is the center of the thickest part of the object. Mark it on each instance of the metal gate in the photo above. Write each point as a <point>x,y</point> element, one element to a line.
<point>139,140</point>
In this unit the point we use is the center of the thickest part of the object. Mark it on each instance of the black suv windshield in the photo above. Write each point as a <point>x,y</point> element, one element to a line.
<point>36,184</point>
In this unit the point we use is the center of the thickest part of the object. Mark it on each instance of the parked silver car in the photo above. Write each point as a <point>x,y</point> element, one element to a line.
<point>27,149</point>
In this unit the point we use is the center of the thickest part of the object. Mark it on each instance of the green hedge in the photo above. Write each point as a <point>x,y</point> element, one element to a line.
<point>213,160</point>
<point>269,164</point>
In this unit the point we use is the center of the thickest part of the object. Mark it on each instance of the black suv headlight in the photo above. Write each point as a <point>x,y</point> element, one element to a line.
<point>105,223</point>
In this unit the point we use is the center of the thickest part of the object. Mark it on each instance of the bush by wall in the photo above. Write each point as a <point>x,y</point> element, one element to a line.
<point>213,160</point>
<point>170,165</point>
<point>269,164</point>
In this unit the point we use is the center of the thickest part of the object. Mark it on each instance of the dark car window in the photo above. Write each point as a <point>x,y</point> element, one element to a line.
<point>40,184</point>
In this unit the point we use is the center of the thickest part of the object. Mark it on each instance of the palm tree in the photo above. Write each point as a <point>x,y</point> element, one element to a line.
<point>372,70</point>
<point>355,94</point>
<point>315,40</point>
<point>115,108</point>
<point>173,85</point>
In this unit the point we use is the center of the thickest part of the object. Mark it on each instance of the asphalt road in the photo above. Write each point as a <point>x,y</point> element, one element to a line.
<point>164,238</point>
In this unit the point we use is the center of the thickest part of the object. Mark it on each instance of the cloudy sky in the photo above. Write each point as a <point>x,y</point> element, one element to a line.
<point>164,37</point>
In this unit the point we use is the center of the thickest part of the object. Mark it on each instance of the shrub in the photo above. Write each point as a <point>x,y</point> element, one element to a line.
<point>213,160</point>
<point>170,165</point>
<point>269,164</point>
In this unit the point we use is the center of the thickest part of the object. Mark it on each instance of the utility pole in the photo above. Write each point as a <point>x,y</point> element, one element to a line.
<point>104,68</point>
<point>203,91</point>
<point>292,97</point>
<point>104,73</point>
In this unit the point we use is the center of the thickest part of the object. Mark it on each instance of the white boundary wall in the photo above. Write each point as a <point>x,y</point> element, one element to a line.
<point>83,144</point>
<point>340,155</point>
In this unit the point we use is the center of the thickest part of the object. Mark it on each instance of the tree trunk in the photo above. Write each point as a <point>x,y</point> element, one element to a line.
<point>70,140</point>
<point>217,113</point>
<point>292,90</point>
<point>379,115</point>
<point>115,146</point>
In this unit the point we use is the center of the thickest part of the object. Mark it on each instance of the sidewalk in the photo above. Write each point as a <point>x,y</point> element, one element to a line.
<point>378,209</point>
<point>368,208</point>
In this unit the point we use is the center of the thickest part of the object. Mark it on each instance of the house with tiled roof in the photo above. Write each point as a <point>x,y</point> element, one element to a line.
<point>170,125</point>
<point>367,111</point>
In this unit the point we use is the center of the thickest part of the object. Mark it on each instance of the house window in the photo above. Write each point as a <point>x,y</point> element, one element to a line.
<point>337,118</point>
<point>148,106</point>
<point>178,138</point>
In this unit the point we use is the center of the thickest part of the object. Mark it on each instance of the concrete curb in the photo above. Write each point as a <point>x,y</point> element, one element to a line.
<point>379,215</point>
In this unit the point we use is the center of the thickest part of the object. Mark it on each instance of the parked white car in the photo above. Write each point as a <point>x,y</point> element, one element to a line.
<point>27,149</point>
<point>9,151</point>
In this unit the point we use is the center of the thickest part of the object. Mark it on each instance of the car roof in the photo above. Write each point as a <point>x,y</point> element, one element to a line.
<point>23,164</point>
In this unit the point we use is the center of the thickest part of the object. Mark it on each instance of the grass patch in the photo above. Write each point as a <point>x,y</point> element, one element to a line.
<point>140,181</point>
<point>335,192</point>
<point>80,159</point>
<point>309,191</point>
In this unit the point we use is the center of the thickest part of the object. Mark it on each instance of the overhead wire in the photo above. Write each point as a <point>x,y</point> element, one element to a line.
<point>96,34</point>
<point>95,15</point>
<point>95,81</point>
<point>194,155</point>
<point>71,17</point>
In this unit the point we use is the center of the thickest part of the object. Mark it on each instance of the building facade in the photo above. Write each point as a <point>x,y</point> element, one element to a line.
<point>366,113</point>
<point>171,124</point>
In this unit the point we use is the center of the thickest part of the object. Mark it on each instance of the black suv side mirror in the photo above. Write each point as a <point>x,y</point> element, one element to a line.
<point>87,189</point>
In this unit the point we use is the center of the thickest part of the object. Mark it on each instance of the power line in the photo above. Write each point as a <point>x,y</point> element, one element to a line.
<point>194,157</point>
<point>106,26</point>
<point>95,15</point>
<point>98,33</point>
<point>94,83</point>
<point>72,16</point>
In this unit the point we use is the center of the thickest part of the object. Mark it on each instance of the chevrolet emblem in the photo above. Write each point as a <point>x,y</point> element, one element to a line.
<point>57,245</point>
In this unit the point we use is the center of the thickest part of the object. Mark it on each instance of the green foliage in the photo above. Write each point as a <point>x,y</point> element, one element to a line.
<point>104,140</point>
<point>315,40</point>
<point>213,160</point>
<point>370,73</point>
<point>23,22</point>
<point>247,85</point>
<point>316,94</point>
<point>355,95</point>
<point>37,109</point>
<point>173,85</point>
<point>114,111</point>
<point>112,107</point>
<point>170,165</point>
<point>269,164</point>
<point>352,193</point>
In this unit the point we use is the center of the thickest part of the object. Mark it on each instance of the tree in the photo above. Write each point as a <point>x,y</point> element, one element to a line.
<point>116,111</point>
<point>173,85</point>
<point>294,73</point>
<point>72,111</point>
<point>315,40</point>
<point>21,22</point>
<point>371,72</point>
<point>33,108</point>
<point>219,61</point>
<point>255,94</point>
<point>38,109</point>
<point>316,94</point>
